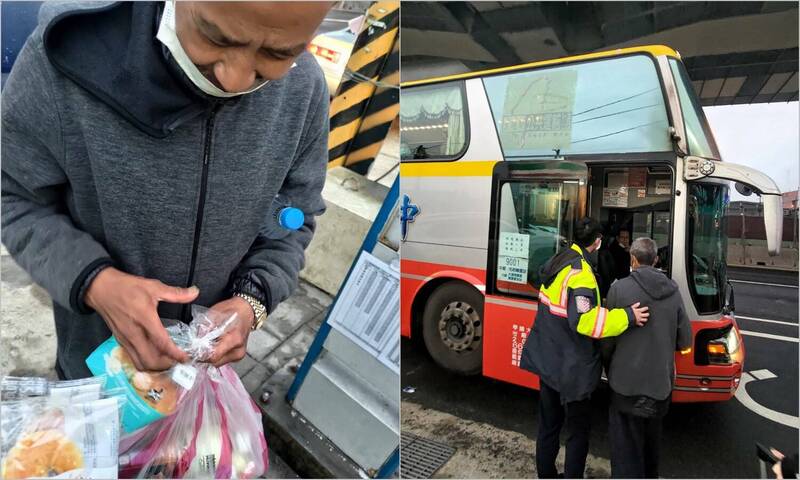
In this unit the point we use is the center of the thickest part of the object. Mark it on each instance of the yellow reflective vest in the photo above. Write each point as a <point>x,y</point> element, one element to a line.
<point>561,347</point>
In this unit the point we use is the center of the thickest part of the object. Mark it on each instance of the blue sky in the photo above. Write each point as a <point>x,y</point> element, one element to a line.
<point>763,136</point>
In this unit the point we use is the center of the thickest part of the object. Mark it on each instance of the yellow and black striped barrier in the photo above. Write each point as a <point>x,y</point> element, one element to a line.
<point>367,100</point>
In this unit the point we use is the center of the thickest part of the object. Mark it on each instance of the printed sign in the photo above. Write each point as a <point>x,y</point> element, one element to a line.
<point>518,336</point>
<point>617,179</point>
<point>615,197</point>
<point>512,258</point>
<point>537,112</point>
<point>637,178</point>
<point>663,187</point>
<point>368,310</point>
<point>514,244</point>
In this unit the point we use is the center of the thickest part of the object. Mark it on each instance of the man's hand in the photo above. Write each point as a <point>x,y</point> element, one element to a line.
<point>640,313</point>
<point>232,345</point>
<point>128,304</point>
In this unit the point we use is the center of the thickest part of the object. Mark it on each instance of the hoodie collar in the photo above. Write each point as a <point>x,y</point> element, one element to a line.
<point>112,52</point>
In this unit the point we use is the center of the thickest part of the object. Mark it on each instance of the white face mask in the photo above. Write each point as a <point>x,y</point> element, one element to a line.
<point>168,36</point>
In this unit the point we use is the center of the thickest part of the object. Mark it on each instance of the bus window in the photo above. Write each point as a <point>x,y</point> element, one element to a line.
<point>700,140</point>
<point>707,245</point>
<point>433,122</point>
<point>604,106</point>
<point>535,223</point>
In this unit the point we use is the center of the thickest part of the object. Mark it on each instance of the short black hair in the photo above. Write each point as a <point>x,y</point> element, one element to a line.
<point>587,230</point>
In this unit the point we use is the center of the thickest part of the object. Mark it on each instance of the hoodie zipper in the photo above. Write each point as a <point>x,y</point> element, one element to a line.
<point>198,225</point>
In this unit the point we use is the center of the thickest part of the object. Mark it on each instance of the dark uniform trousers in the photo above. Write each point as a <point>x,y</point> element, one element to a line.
<point>552,416</point>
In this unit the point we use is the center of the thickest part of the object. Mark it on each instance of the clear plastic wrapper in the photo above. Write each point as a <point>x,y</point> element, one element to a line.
<point>46,437</point>
<point>216,429</point>
<point>18,388</point>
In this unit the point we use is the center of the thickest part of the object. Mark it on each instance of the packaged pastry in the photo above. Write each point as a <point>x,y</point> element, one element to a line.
<point>42,437</point>
<point>150,396</point>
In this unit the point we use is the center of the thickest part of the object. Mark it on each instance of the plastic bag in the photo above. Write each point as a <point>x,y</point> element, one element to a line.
<point>215,431</point>
<point>51,437</point>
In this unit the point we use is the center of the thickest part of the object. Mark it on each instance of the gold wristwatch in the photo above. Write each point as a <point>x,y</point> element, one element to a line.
<point>259,310</point>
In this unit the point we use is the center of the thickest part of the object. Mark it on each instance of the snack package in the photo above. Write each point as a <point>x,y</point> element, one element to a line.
<point>70,391</point>
<point>216,430</point>
<point>44,437</point>
<point>151,396</point>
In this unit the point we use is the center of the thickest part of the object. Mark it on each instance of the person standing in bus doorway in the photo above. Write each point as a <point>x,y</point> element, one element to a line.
<point>144,144</point>
<point>619,248</point>
<point>642,364</point>
<point>563,351</point>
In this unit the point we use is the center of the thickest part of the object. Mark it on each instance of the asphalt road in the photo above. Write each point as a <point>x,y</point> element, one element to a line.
<point>700,440</point>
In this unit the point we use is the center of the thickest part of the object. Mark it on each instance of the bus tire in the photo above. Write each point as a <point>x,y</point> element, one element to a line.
<point>452,328</point>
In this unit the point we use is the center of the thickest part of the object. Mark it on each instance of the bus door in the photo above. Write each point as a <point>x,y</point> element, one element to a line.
<point>534,206</point>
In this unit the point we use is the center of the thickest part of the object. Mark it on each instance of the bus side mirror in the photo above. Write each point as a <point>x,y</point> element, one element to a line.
<point>730,301</point>
<point>773,222</point>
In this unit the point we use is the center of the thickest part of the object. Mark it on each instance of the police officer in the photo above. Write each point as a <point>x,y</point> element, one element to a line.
<point>562,351</point>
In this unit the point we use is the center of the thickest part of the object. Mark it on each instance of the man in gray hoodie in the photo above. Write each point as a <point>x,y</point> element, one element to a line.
<point>144,145</point>
<point>642,363</point>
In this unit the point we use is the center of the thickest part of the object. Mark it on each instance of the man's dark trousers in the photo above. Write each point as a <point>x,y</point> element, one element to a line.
<point>634,444</point>
<point>552,414</point>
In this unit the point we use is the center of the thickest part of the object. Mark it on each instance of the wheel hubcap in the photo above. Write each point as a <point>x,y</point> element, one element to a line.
<point>460,327</point>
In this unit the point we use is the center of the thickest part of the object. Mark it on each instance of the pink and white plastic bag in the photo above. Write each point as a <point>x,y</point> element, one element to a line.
<point>216,430</point>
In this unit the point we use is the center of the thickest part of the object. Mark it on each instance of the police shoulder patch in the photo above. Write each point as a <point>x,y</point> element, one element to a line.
<point>584,304</point>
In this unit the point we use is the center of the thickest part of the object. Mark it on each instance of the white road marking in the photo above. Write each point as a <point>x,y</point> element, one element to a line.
<point>746,400</point>
<point>754,319</point>
<point>769,335</point>
<point>763,374</point>
<point>766,284</point>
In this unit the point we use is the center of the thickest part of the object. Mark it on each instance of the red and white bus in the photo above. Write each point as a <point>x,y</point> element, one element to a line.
<point>497,164</point>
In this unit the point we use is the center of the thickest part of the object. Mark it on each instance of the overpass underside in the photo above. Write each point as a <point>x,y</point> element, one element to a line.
<point>735,52</point>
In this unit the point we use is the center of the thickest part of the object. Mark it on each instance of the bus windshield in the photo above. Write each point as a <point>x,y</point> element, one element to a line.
<point>700,140</point>
<point>612,105</point>
<point>707,245</point>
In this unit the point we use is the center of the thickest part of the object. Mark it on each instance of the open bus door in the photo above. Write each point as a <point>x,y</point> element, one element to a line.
<point>534,206</point>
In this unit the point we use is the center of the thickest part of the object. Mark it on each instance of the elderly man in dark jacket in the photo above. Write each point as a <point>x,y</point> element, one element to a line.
<point>143,146</point>
<point>642,367</point>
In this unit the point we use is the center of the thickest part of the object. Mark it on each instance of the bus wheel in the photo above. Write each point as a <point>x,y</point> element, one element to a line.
<point>453,328</point>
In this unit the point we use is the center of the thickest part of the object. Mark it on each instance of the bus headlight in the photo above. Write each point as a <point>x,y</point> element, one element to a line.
<point>718,347</point>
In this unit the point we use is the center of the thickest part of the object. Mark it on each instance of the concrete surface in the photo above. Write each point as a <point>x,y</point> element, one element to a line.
<point>27,331</point>
<point>352,204</point>
<point>482,450</point>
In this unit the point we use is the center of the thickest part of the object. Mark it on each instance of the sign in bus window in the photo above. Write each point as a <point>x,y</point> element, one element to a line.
<point>538,111</point>
<point>610,105</point>
<point>533,224</point>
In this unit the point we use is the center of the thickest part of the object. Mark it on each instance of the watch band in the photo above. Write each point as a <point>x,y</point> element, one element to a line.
<point>259,310</point>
